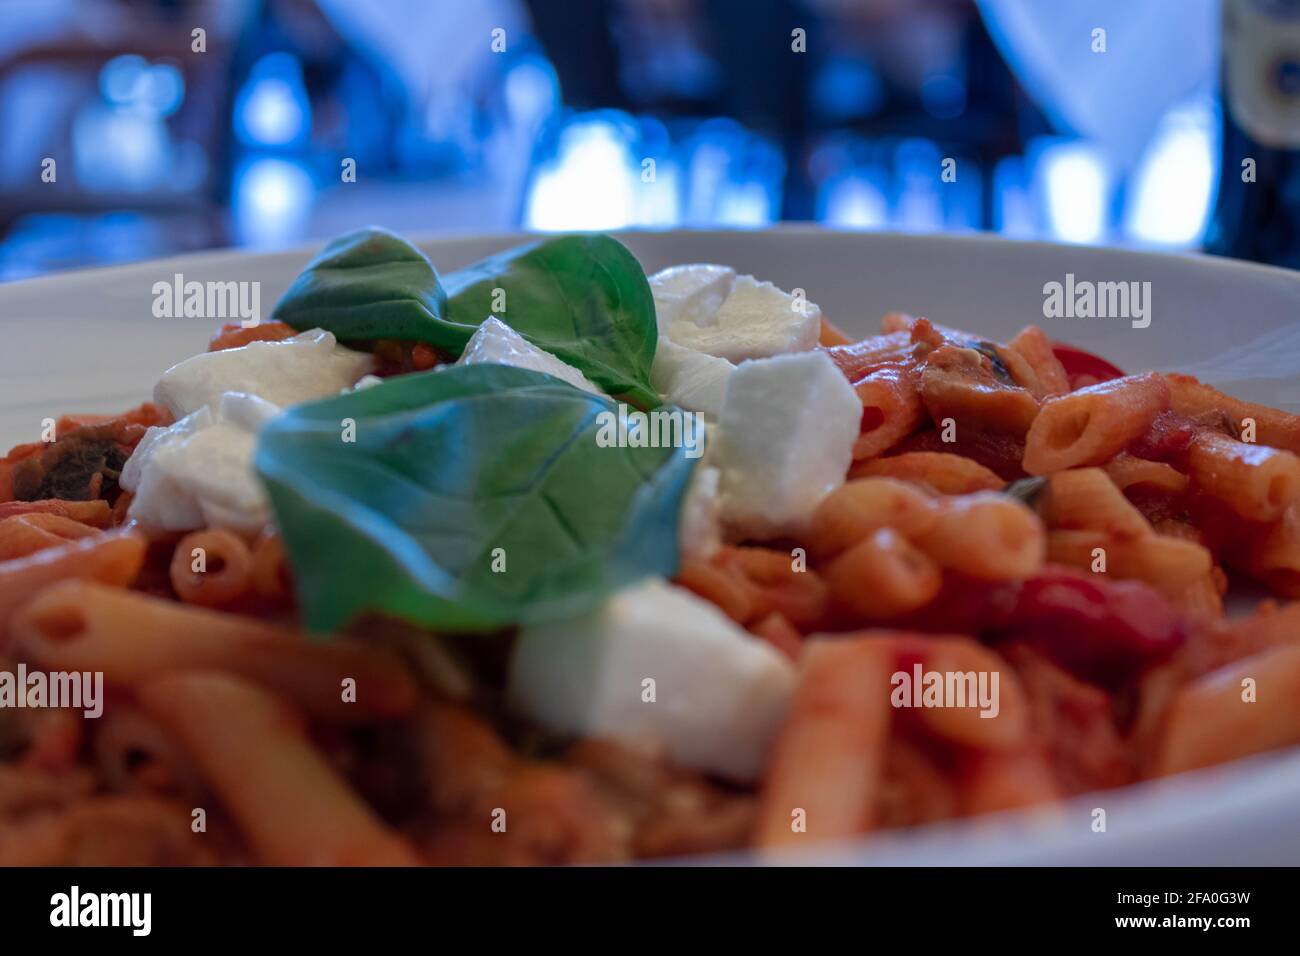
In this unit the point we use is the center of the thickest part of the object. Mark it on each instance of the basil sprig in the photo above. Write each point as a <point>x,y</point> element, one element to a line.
<point>582,298</point>
<point>466,499</point>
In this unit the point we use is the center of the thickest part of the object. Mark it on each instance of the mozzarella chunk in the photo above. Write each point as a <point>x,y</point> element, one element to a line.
<point>690,379</point>
<point>699,530</point>
<point>496,343</point>
<point>298,369</point>
<point>199,472</point>
<point>784,442</point>
<point>720,694</point>
<point>757,320</point>
<point>690,293</point>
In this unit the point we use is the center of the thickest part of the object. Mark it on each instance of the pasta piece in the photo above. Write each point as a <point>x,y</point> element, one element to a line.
<point>1094,424</point>
<point>235,335</point>
<point>987,536</point>
<point>145,414</point>
<point>254,751</point>
<point>855,509</point>
<point>923,330</point>
<point>1033,345</point>
<point>1086,498</point>
<point>272,576</point>
<point>965,725</point>
<point>913,790</point>
<point>891,410</point>
<point>131,638</point>
<point>1168,564</point>
<point>113,558</point>
<point>1202,599</point>
<point>1274,555</point>
<point>94,513</point>
<point>726,587</point>
<point>1255,481</point>
<point>831,335</point>
<point>26,534</point>
<point>859,359</point>
<point>780,583</point>
<point>1211,721</point>
<point>995,781</point>
<point>780,633</point>
<point>962,385</point>
<point>1128,471</point>
<point>1182,530</point>
<point>135,754</point>
<point>1275,428</point>
<point>825,767</point>
<point>211,567</point>
<point>883,576</point>
<point>941,472</point>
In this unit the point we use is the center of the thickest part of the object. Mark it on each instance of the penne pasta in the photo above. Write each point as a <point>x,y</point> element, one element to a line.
<point>1033,345</point>
<point>1007,729</point>
<point>883,576</point>
<point>987,536</point>
<point>97,513</point>
<point>859,359</point>
<point>255,753</point>
<point>831,335</point>
<point>211,568</point>
<point>1255,481</point>
<point>891,410</point>
<point>1092,425</point>
<point>1086,498</point>
<point>961,385</point>
<point>113,558</point>
<point>1273,556</point>
<point>940,472</point>
<point>132,638</point>
<point>1273,427</point>
<point>996,781</point>
<point>823,776</point>
<point>857,508</point>
<point>1128,471</point>
<point>22,535</point>
<point>1247,707</point>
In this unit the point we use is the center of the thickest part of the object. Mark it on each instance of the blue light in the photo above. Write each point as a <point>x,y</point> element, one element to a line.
<point>131,83</point>
<point>1174,182</point>
<point>1074,184</point>
<point>271,202</point>
<point>854,200</point>
<point>589,182</point>
<point>272,109</point>
<point>531,90</point>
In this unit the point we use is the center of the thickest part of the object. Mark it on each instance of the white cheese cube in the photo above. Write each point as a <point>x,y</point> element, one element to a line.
<point>199,471</point>
<point>690,293</point>
<point>719,693</point>
<point>496,343</point>
<point>699,530</point>
<point>757,320</point>
<point>298,369</point>
<point>784,442</point>
<point>690,379</point>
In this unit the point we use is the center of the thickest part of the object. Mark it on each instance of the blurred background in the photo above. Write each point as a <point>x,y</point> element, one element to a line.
<point>131,129</point>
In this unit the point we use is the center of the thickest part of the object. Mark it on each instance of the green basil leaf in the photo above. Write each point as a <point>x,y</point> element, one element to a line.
<point>448,466</point>
<point>370,284</point>
<point>582,298</point>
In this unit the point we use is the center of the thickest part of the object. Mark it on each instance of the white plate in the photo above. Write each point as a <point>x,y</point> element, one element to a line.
<point>88,341</point>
